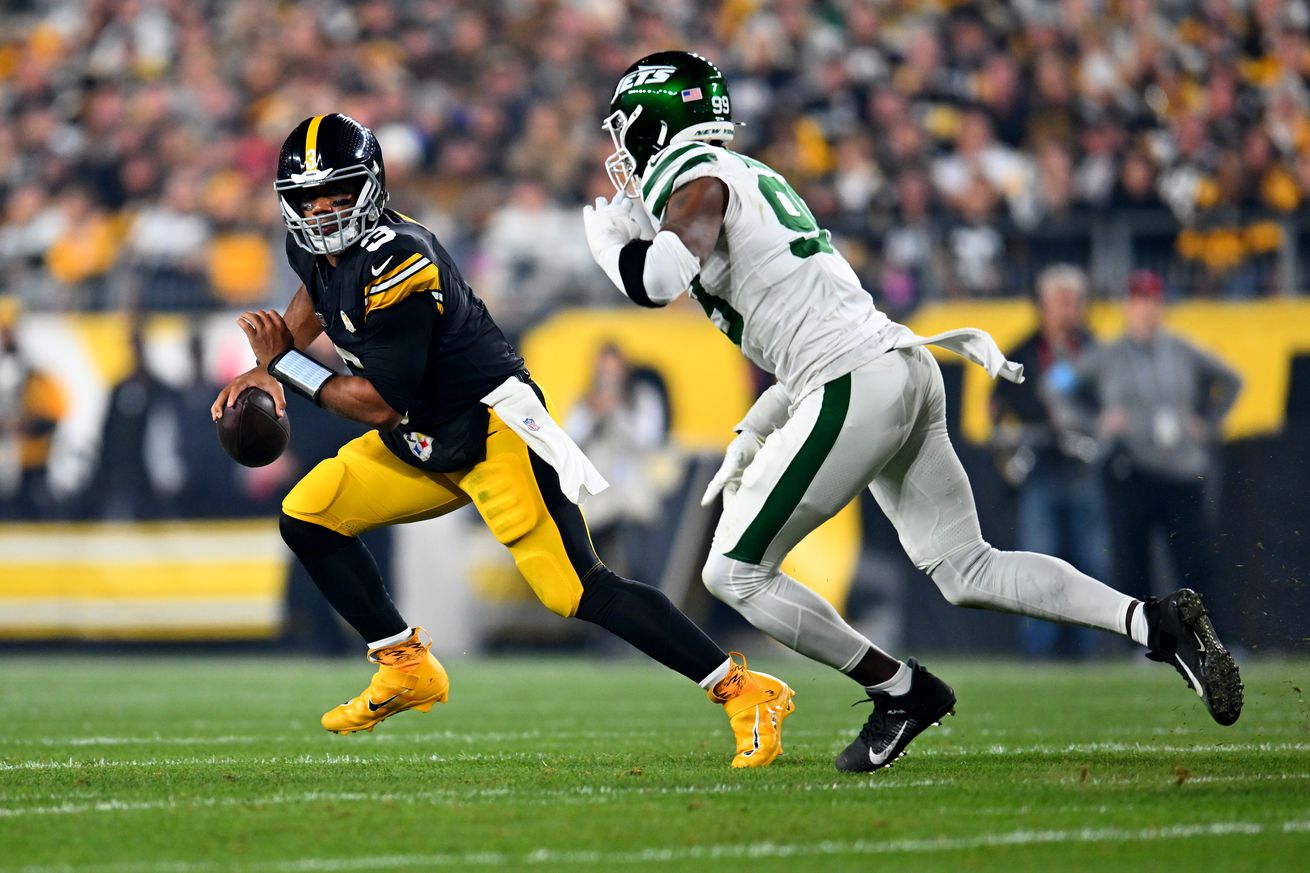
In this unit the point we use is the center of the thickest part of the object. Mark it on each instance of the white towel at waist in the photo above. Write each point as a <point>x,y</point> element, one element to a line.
<point>524,413</point>
<point>969,343</point>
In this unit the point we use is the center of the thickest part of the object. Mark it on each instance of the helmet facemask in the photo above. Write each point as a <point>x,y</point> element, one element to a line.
<point>622,165</point>
<point>331,233</point>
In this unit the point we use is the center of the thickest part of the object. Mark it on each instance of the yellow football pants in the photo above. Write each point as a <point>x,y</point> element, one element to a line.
<point>366,486</point>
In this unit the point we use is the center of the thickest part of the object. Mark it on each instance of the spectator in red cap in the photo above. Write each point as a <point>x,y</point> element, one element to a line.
<point>1157,403</point>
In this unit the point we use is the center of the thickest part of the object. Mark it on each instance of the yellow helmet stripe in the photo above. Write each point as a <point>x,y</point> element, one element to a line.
<point>311,143</point>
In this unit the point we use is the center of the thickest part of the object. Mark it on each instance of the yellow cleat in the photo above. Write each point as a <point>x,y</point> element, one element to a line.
<point>756,704</point>
<point>408,677</point>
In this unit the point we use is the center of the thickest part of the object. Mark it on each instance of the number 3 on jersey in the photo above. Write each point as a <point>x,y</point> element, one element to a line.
<point>378,238</point>
<point>791,211</point>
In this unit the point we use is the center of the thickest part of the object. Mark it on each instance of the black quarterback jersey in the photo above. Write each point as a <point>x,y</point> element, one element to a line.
<point>402,316</point>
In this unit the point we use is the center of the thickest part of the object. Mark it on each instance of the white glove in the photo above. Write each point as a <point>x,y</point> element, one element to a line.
<point>610,226</point>
<point>738,456</point>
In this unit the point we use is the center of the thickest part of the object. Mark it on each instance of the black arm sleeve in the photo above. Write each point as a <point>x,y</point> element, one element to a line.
<point>632,267</point>
<point>395,356</point>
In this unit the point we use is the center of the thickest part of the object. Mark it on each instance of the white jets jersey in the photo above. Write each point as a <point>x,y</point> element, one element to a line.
<point>773,284</point>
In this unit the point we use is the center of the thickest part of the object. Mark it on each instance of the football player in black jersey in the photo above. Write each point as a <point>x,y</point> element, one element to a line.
<point>423,357</point>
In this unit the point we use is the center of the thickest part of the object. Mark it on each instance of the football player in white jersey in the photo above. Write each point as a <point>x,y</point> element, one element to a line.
<point>858,403</point>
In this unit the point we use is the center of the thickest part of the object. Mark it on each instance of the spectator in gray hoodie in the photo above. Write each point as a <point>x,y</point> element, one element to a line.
<point>1158,403</point>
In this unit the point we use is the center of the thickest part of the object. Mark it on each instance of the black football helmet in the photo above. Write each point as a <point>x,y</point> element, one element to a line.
<point>324,155</point>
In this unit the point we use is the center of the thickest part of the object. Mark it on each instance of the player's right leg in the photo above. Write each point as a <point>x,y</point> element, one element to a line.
<point>833,444</point>
<point>925,493</point>
<point>363,487</point>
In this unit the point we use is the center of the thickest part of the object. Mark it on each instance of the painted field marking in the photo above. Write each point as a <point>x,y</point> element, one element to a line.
<point>725,851</point>
<point>582,794</point>
<point>82,803</point>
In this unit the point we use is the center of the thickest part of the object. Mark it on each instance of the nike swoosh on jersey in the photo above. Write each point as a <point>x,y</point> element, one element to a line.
<point>879,759</point>
<point>377,271</point>
<point>374,707</point>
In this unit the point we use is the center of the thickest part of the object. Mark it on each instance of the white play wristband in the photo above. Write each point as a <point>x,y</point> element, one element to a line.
<point>301,372</point>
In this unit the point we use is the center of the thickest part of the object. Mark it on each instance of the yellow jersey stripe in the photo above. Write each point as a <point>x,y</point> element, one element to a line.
<point>311,143</point>
<point>426,279</point>
<point>391,274</point>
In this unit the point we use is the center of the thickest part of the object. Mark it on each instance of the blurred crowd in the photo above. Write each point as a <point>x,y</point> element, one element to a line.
<point>942,142</point>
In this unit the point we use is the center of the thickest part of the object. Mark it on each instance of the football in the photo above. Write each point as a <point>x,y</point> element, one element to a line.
<point>251,431</point>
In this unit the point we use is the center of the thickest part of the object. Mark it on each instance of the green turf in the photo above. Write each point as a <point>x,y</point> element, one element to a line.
<point>179,765</point>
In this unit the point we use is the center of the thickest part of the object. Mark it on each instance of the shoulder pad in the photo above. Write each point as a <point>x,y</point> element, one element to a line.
<point>672,167</point>
<point>400,260</point>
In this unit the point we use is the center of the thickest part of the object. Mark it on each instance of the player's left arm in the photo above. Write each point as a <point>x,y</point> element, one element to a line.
<point>655,272</point>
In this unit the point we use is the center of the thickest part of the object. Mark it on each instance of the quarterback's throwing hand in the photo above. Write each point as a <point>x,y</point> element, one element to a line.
<point>738,456</point>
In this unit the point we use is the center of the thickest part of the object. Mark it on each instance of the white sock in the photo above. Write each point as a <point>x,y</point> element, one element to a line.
<point>717,676</point>
<point>392,640</point>
<point>1139,630</point>
<point>897,685</point>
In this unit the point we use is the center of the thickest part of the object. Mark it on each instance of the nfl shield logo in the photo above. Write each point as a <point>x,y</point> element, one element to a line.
<point>531,424</point>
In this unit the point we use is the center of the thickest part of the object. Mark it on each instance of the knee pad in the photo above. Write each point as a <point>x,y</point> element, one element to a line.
<point>551,579</point>
<point>958,574</point>
<point>734,581</point>
<point>502,490</point>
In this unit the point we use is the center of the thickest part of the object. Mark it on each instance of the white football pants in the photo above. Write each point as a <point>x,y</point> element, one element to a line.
<point>882,426</point>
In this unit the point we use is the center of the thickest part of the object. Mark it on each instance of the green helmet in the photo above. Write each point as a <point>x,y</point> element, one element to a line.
<point>664,98</point>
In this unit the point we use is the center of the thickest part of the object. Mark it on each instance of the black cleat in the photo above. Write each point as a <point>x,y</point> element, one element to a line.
<point>896,721</point>
<point>1181,634</point>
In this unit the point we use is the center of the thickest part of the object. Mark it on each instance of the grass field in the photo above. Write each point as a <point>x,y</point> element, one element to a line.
<point>180,765</point>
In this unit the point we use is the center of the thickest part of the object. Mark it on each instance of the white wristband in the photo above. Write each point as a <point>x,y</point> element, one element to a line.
<point>301,372</point>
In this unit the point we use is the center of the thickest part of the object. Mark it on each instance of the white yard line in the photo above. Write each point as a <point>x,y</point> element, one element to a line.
<point>226,739</point>
<point>726,851</point>
<point>1000,749</point>
<point>528,796</point>
<point>920,750</point>
<point>81,803</point>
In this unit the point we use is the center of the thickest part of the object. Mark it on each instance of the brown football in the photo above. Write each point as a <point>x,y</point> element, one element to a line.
<point>251,432</point>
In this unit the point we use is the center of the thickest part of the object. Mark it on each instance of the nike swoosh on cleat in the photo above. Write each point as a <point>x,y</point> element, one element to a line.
<point>1191,677</point>
<point>374,707</point>
<point>879,759</point>
<point>756,733</point>
<point>377,271</point>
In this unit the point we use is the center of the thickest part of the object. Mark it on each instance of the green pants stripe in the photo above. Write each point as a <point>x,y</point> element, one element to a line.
<point>791,487</point>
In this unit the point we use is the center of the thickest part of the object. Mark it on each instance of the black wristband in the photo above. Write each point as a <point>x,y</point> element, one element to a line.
<point>301,373</point>
<point>632,268</point>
